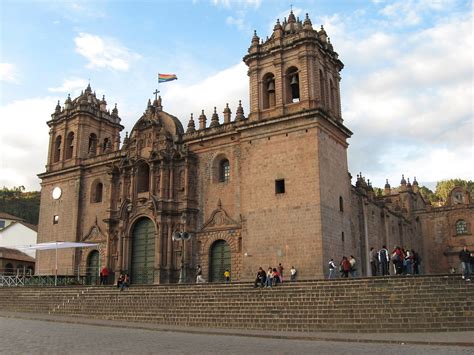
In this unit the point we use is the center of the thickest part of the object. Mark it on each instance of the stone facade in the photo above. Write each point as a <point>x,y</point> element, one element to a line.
<point>271,187</point>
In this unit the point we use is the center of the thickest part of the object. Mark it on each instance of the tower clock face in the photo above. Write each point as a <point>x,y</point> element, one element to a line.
<point>57,192</point>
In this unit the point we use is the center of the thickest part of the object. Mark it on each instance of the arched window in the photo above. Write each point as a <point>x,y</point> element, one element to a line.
<point>322,87</point>
<point>20,269</point>
<point>69,145</point>
<point>332,95</point>
<point>143,177</point>
<point>224,170</point>
<point>57,149</point>
<point>268,91</point>
<point>292,85</point>
<point>105,145</point>
<point>341,204</point>
<point>92,144</point>
<point>96,191</point>
<point>461,227</point>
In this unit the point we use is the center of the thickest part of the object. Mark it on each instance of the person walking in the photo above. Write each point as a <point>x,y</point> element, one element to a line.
<point>465,256</point>
<point>332,269</point>
<point>384,260</point>
<point>353,269</point>
<point>345,267</point>
<point>104,275</point>
<point>373,261</point>
<point>292,274</point>
<point>280,271</point>
<point>416,262</point>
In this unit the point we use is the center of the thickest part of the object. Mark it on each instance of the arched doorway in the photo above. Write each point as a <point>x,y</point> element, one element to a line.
<point>143,252</point>
<point>220,260</point>
<point>92,268</point>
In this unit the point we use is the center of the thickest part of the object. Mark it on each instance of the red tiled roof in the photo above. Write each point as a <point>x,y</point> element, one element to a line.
<point>14,254</point>
<point>5,215</point>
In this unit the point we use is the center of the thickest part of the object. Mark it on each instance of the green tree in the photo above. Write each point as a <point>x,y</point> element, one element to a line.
<point>444,187</point>
<point>428,195</point>
<point>21,204</point>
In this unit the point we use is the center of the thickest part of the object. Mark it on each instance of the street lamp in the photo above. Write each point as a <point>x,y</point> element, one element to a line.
<point>183,236</point>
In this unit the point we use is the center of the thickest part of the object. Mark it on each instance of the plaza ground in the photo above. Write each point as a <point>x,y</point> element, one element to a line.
<point>22,333</point>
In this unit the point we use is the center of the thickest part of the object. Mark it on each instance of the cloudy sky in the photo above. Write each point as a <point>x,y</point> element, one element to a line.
<point>407,85</point>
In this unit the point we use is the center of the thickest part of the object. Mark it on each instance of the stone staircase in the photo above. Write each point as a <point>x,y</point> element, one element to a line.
<point>389,304</point>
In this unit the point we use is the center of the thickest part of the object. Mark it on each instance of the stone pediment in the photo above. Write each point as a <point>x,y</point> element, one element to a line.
<point>95,234</point>
<point>219,220</point>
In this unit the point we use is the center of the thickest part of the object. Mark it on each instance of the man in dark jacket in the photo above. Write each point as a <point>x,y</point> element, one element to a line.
<point>261,278</point>
<point>465,257</point>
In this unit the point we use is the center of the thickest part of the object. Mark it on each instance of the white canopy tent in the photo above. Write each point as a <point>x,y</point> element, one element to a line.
<point>55,246</point>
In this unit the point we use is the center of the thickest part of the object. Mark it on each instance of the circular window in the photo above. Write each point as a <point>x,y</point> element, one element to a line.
<point>57,192</point>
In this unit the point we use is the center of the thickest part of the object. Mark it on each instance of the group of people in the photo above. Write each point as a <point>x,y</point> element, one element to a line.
<point>346,266</point>
<point>273,276</point>
<point>404,261</point>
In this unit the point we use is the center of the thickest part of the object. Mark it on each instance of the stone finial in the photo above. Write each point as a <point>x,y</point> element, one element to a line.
<point>88,89</point>
<point>291,17</point>
<point>214,119</point>
<point>103,104</point>
<point>115,110</point>
<point>191,125</point>
<point>149,103</point>
<point>387,189</point>
<point>255,38</point>
<point>403,182</point>
<point>307,25</point>
<point>277,30</point>
<point>323,37</point>
<point>240,112</point>
<point>126,140</point>
<point>58,108</point>
<point>227,113</point>
<point>68,102</point>
<point>415,185</point>
<point>202,120</point>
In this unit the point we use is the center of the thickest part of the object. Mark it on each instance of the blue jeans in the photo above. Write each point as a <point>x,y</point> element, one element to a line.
<point>332,272</point>
<point>269,282</point>
<point>466,268</point>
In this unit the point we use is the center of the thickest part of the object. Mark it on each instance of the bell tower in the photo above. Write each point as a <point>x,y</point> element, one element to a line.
<point>83,128</point>
<point>295,69</point>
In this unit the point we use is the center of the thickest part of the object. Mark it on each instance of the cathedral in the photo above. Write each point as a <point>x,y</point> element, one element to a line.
<point>237,191</point>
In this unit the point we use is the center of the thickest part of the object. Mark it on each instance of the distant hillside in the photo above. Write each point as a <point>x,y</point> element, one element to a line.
<point>21,204</point>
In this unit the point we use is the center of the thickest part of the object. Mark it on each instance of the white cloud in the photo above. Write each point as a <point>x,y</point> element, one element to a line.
<point>416,109</point>
<point>102,52</point>
<point>226,86</point>
<point>411,12</point>
<point>239,22</point>
<point>24,141</point>
<point>245,3</point>
<point>73,86</point>
<point>8,73</point>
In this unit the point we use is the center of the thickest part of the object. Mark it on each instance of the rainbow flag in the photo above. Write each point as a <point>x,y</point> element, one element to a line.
<point>163,78</point>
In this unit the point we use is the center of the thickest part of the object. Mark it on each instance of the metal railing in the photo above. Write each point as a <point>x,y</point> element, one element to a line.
<point>67,277</point>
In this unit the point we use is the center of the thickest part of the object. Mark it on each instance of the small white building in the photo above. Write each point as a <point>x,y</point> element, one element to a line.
<point>16,232</point>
